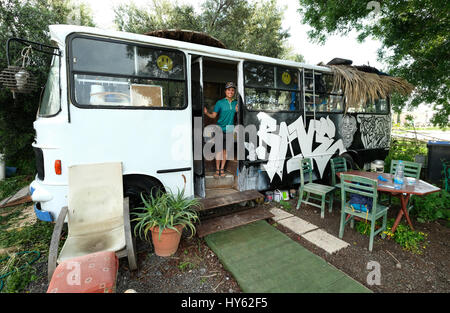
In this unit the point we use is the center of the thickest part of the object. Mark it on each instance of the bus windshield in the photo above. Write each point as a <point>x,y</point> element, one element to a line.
<point>117,74</point>
<point>51,103</point>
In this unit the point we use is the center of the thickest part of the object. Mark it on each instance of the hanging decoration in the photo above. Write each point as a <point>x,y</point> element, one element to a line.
<point>17,78</point>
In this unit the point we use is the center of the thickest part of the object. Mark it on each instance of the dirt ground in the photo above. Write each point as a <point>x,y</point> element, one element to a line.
<point>196,269</point>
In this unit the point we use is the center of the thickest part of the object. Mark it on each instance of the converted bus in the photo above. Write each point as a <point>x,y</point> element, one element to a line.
<point>122,97</point>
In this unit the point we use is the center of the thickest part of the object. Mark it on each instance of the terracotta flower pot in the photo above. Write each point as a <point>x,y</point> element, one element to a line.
<point>167,245</point>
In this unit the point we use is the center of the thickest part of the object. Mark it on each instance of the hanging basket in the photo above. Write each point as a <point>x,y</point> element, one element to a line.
<point>17,79</point>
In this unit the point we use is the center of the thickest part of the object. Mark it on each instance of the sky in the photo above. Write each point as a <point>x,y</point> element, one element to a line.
<point>335,46</point>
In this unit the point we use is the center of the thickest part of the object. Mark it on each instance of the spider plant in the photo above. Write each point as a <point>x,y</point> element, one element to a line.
<point>165,210</point>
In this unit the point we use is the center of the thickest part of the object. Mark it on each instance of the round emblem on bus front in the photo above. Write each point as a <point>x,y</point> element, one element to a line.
<point>286,78</point>
<point>164,63</point>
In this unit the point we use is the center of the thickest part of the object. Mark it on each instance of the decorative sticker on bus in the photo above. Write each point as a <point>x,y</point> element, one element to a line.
<point>323,130</point>
<point>164,63</point>
<point>286,78</point>
<point>375,130</point>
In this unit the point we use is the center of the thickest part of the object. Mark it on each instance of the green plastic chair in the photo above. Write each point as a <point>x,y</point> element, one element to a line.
<point>338,164</point>
<point>412,169</point>
<point>365,187</point>
<point>310,188</point>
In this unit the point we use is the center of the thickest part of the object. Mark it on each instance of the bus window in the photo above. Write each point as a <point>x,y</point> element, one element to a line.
<point>271,88</point>
<point>114,74</point>
<point>326,99</point>
<point>51,103</point>
<point>379,106</point>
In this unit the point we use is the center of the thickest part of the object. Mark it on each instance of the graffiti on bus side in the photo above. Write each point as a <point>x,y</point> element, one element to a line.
<point>375,130</point>
<point>280,138</point>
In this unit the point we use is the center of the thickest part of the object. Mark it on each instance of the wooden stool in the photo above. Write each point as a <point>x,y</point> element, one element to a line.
<point>92,273</point>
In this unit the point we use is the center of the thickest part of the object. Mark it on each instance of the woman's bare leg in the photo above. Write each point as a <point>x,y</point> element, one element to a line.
<point>224,160</point>
<point>218,159</point>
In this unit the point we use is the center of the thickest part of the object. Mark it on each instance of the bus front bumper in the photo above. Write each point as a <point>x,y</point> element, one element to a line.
<point>46,205</point>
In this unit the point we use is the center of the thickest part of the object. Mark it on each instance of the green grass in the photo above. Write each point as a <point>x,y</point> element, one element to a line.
<point>34,237</point>
<point>11,185</point>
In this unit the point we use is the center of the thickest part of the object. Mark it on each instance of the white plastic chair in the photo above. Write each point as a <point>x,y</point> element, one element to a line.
<point>97,216</point>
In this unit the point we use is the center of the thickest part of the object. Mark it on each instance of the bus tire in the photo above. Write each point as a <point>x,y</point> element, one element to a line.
<point>349,160</point>
<point>135,185</point>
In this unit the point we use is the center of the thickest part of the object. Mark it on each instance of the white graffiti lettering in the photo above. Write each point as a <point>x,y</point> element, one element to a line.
<point>323,130</point>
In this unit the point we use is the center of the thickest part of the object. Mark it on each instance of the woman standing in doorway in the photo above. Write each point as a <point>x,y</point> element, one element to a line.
<point>226,109</point>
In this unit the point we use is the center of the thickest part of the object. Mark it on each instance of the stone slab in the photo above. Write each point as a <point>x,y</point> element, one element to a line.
<point>324,240</point>
<point>279,214</point>
<point>297,225</point>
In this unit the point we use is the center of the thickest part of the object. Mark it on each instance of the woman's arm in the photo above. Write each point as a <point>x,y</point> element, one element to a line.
<point>210,115</point>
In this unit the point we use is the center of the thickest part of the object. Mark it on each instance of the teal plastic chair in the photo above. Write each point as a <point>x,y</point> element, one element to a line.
<point>351,184</point>
<point>338,164</point>
<point>312,189</point>
<point>412,169</point>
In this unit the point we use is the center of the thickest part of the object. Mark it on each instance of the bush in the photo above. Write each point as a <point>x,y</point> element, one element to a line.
<point>406,150</point>
<point>432,207</point>
<point>410,240</point>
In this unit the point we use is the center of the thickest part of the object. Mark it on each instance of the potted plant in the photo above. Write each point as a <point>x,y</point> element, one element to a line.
<point>165,215</point>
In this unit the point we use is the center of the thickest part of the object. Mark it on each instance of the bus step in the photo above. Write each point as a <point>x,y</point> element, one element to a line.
<point>229,198</point>
<point>219,182</point>
<point>233,220</point>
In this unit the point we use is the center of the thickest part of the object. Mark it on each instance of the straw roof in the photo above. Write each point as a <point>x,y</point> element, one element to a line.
<point>362,84</point>
<point>188,36</point>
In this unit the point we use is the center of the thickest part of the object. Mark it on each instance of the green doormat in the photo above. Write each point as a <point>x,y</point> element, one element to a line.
<point>262,259</point>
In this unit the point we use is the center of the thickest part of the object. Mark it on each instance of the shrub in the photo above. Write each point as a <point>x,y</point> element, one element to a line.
<point>432,207</point>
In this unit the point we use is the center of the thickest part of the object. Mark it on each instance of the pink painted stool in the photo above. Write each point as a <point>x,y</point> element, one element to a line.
<point>92,273</point>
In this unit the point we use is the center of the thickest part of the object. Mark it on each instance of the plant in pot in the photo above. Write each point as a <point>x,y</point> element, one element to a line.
<point>165,215</point>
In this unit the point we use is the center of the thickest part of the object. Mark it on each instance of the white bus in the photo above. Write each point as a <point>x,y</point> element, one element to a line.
<point>116,96</point>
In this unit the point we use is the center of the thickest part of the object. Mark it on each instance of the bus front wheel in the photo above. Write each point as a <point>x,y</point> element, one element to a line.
<point>349,160</point>
<point>136,185</point>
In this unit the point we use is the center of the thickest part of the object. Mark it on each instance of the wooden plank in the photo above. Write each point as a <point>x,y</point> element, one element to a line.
<point>22,196</point>
<point>218,192</point>
<point>232,220</point>
<point>233,198</point>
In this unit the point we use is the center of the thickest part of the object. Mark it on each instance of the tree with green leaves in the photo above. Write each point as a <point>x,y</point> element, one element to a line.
<point>28,19</point>
<point>253,27</point>
<point>414,36</point>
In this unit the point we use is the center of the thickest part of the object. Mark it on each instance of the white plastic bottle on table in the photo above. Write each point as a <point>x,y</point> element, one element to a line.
<point>399,174</point>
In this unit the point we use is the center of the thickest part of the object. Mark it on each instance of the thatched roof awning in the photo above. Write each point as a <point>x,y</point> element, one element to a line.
<point>188,36</point>
<point>363,84</point>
